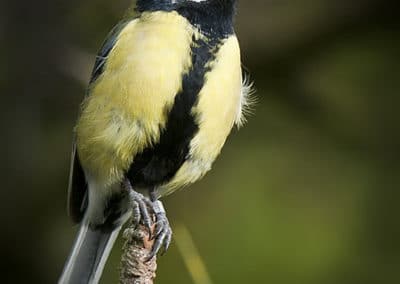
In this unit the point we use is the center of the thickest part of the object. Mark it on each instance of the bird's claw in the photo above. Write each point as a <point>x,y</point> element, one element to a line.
<point>142,211</point>
<point>162,235</point>
<point>140,208</point>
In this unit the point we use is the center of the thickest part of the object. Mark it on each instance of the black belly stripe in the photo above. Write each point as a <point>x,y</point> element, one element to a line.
<point>158,164</point>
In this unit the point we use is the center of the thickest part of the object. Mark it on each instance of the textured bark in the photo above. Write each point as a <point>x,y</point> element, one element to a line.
<point>134,267</point>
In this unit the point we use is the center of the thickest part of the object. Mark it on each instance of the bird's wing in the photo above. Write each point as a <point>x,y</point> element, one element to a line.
<point>105,49</point>
<point>77,189</point>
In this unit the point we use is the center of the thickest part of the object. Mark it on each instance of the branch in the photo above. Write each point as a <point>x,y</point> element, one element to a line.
<point>134,267</point>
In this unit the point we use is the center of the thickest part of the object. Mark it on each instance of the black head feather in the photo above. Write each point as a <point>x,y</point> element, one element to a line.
<point>212,16</point>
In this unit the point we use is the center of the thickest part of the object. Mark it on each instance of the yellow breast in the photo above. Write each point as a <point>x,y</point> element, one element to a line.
<point>127,104</point>
<point>216,111</point>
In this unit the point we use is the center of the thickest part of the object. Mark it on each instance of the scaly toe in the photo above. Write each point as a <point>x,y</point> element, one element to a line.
<point>140,208</point>
<point>162,235</point>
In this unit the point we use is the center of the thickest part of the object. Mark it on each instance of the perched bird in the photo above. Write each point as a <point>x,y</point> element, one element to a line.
<point>165,91</point>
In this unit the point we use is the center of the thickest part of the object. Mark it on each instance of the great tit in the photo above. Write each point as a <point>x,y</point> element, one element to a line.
<point>165,91</point>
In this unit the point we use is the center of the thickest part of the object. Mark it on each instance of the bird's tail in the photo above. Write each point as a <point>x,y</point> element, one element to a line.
<point>89,255</point>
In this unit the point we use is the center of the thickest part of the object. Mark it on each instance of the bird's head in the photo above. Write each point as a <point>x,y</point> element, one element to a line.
<point>157,4</point>
<point>215,16</point>
<point>220,2</point>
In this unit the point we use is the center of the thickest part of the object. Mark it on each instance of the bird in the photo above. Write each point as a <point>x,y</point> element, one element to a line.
<point>167,88</point>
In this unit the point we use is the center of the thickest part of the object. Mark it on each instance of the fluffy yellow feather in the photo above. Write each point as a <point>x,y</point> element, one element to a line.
<point>128,103</point>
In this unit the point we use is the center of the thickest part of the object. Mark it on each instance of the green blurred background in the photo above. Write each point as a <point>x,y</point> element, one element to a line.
<point>307,192</point>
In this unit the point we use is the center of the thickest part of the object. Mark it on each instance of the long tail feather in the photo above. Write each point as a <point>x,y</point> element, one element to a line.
<point>89,255</point>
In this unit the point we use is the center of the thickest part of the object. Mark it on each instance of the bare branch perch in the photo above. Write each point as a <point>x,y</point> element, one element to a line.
<point>134,267</point>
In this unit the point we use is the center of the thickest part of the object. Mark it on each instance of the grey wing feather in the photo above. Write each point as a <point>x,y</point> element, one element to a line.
<point>89,254</point>
<point>77,189</point>
<point>107,46</point>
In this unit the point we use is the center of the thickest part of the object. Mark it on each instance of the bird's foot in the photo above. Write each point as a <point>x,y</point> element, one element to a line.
<point>150,213</point>
<point>162,231</point>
